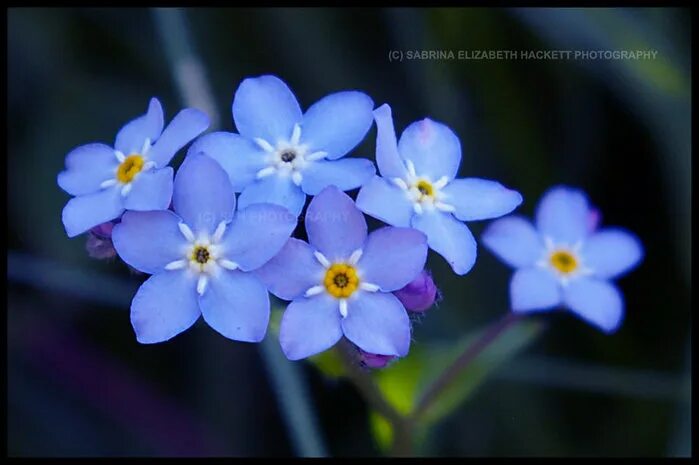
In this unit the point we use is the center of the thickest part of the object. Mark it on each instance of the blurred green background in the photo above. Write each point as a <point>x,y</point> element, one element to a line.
<point>80,384</point>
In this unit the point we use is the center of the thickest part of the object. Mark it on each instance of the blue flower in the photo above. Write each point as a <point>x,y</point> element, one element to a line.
<point>340,283</point>
<point>282,154</point>
<point>131,176</point>
<point>418,188</point>
<point>565,260</point>
<point>200,256</point>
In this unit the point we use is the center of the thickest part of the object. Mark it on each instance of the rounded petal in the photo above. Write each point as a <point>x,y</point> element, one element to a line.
<point>378,323</point>
<point>335,226</point>
<point>151,190</point>
<point>164,306</point>
<point>149,240</point>
<point>450,238</point>
<point>256,234</point>
<point>87,211</point>
<point>203,196</point>
<point>88,166</point>
<point>309,326</point>
<point>393,257</point>
<point>131,137</point>
<point>534,289</point>
<point>480,199</point>
<point>514,240</point>
<point>346,174</point>
<point>337,123</point>
<point>291,272</point>
<point>275,189</point>
<point>597,302</point>
<point>611,252</point>
<point>563,215</point>
<point>386,202</point>
<point>236,304</point>
<point>387,157</point>
<point>184,127</point>
<point>239,157</point>
<point>433,148</point>
<point>265,107</point>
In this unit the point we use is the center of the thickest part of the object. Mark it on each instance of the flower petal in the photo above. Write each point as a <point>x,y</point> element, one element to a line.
<point>393,257</point>
<point>236,304</point>
<point>480,199</point>
<point>239,157</point>
<point>164,306</point>
<point>450,238</point>
<point>149,240</point>
<point>131,137</point>
<point>433,148</point>
<point>597,302</point>
<point>335,226</point>
<point>265,107</point>
<point>337,123</point>
<point>534,289</point>
<point>275,189</point>
<point>203,196</point>
<point>184,127</point>
<point>387,157</point>
<point>514,240</point>
<point>151,190</point>
<point>309,326</point>
<point>563,215</point>
<point>88,166</point>
<point>386,202</point>
<point>87,211</point>
<point>345,174</point>
<point>378,323</point>
<point>291,272</point>
<point>256,234</point>
<point>611,252</point>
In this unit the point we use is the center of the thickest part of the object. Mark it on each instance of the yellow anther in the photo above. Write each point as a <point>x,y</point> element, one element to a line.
<point>564,261</point>
<point>129,168</point>
<point>341,280</point>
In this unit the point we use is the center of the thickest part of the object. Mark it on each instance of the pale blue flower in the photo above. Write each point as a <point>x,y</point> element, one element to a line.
<point>565,260</point>
<point>418,188</point>
<point>200,257</point>
<point>281,154</point>
<point>133,175</point>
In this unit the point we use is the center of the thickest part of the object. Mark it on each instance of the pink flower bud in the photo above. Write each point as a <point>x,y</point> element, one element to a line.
<point>374,360</point>
<point>420,294</point>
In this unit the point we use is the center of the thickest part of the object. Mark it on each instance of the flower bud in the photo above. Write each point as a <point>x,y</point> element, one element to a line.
<point>370,360</point>
<point>420,294</point>
<point>99,241</point>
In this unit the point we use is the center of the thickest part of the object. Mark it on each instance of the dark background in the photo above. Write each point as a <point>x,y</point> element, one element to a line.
<point>80,384</point>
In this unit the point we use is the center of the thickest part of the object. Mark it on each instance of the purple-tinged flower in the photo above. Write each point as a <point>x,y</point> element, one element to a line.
<point>282,154</point>
<point>342,282</point>
<point>418,188</point>
<point>563,261</point>
<point>200,257</point>
<point>99,241</point>
<point>375,361</point>
<point>133,175</point>
<point>419,294</point>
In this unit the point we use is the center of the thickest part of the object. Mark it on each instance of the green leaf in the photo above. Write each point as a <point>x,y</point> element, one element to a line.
<point>329,363</point>
<point>382,430</point>
<point>510,342</point>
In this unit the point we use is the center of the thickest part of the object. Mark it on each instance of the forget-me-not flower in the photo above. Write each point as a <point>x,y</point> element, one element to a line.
<point>565,260</point>
<point>340,283</point>
<point>282,154</point>
<point>133,175</point>
<point>200,256</point>
<point>418,188</point>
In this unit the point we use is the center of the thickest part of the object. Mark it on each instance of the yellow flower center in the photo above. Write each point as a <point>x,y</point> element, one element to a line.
<point>341,280</point>
<point>129,168</point>
<point>564,261</point>
<point>425,188</point>
<point>201,255</point>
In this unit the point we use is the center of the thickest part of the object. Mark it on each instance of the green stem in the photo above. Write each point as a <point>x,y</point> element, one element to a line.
<point>462,361</point>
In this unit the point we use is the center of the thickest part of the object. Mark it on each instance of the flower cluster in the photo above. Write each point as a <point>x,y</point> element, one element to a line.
<point>216,237</point>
